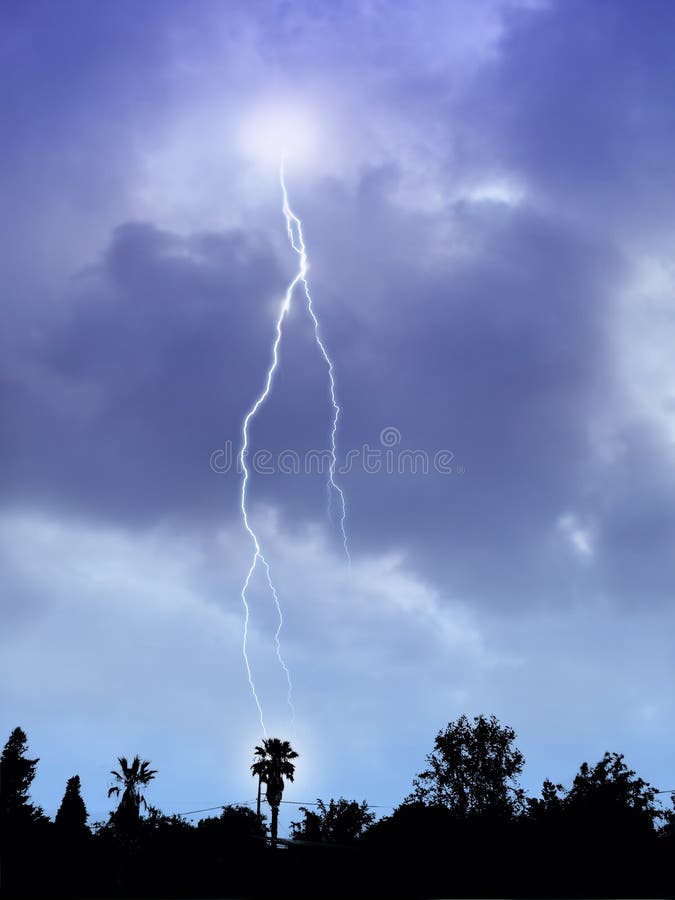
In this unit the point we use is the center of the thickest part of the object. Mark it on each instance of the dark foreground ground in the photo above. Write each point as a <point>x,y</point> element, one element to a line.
<point>308,872</point>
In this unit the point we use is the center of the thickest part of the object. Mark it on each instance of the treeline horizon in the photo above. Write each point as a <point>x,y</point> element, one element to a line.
<point>466,829</point>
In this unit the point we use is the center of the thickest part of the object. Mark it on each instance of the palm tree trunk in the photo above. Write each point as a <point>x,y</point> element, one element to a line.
<point>275,818</point>
<point>259,788</point>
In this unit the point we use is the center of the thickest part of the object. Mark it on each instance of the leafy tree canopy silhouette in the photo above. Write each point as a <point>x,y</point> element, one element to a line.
<point>235,825</point>
<point>610,792</point>
<point>605,796</point>
<point>472,770</point>
<point>341,821</point>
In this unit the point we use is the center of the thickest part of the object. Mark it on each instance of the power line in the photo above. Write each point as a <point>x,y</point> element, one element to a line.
<point>193,812</point>
<point>310,803</point>
<point>221,806</point>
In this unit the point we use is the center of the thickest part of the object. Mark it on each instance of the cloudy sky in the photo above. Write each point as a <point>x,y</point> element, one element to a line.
<point>486,193</point>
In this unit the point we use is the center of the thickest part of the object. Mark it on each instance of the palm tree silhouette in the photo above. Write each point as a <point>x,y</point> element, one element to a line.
<point>272,765</point>
<point>131,779</point>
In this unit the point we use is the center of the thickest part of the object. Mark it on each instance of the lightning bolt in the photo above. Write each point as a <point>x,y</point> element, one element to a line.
<point>258,555</point>
<point>295,235</point>
<point>294,228</point>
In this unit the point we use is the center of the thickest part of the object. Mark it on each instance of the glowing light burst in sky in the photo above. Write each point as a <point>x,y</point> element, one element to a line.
<point>295,235</point>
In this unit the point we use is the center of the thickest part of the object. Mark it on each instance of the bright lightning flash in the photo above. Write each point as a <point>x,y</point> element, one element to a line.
<point>258,555</point>
<point>294,227</point>
<point>295,235</point>
<point>281,126</point>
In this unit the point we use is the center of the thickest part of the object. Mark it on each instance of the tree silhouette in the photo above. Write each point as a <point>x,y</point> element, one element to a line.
<point>17,772</point>
<point>272,765</point>
<point>605,819</point>
<point>550,806</point>
<point>611,797</point>
<point>341,822</point>
<point>472,770</point>
<point>310,828</point>
<point>236,826</point>
<point>130,779</point>
<point>72,815</point>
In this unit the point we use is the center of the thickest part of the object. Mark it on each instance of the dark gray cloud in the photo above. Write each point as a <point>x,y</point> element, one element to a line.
<point>504,357</point>
<point>578,102</point>
<point>159,348</point>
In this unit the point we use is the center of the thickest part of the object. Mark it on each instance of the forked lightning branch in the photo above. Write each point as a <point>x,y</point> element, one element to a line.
<point>296,238</point>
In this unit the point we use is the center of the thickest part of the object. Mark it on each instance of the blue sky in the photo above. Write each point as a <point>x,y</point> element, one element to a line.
<point>486,192</point>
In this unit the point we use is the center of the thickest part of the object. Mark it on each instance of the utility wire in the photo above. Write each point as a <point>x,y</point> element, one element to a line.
<point>193,812</point>
<point>311,803</point>
<point>221,806</point>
